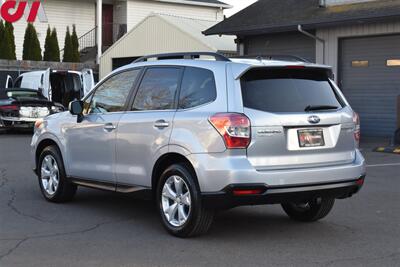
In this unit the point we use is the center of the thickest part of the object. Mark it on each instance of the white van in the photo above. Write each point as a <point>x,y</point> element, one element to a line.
<point>57,86</point>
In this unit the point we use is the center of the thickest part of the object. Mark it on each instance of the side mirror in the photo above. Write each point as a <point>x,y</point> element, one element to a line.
<point>76,107</point>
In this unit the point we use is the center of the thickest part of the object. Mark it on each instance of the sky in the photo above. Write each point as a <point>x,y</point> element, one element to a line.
<point>237,6</point>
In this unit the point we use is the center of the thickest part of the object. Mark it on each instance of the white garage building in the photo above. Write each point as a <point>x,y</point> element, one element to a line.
<point>161,33</point>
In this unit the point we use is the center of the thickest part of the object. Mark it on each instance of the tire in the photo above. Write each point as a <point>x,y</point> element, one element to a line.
<point>5,126</point>
<point>311,211</point>
<point>64,191</point>
<point>198,218</point>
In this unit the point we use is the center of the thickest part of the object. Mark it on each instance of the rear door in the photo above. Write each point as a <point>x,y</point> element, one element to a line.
<point>45,86</point>
<point>87,81</point>
<point>9,82</point>
<point>298,119</point>
<point>146,129</point>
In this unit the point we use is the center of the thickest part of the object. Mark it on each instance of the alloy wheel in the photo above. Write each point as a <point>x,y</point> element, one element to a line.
<point>50,175</point>
<point>176,201</point>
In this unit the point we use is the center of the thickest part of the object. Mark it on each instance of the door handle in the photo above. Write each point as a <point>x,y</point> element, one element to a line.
<point>109,127</point>
<point>161,124</point>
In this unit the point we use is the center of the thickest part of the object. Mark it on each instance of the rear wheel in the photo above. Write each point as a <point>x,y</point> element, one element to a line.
<point>52,179</point>
<point>310,211</point>
<point>180,206</point>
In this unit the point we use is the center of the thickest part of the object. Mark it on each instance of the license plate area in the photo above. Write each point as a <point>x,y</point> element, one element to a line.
<point>311,137</point>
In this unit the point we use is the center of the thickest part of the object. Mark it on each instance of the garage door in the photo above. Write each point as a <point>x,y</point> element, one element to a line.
<point>119,62</point>
<point>370,79</point>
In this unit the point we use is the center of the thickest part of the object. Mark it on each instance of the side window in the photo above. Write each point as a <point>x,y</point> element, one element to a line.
<point>158,89</point>
<point>112,94</point>
<point>198,88</point>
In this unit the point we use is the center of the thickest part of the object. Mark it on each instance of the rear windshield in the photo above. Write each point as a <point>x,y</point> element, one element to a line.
<point>288,90</point>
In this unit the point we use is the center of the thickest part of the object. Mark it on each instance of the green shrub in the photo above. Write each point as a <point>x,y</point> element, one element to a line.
<point>75,45</point>
<point>31,49</point>
<point>2,30</point>
<point>54,44</point>
<point>48,53</point>
<point>68,48</point>
<point>9,29</point>
<point>7,43</point>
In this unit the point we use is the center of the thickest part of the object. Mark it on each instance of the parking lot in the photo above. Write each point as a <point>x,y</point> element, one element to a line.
<point>106,229</point>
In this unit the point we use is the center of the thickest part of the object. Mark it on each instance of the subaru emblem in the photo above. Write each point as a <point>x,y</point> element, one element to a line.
<point>314,119</point>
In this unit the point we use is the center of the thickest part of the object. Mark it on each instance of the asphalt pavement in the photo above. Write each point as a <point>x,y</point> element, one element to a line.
<point>109,229</point>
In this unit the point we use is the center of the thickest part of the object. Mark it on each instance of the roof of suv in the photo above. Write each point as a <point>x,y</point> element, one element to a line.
<point>241,65</point>
<point>243,61</point>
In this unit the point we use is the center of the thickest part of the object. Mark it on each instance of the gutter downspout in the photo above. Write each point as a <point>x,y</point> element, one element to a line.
<point>99,33</point>
<point>322,41</point>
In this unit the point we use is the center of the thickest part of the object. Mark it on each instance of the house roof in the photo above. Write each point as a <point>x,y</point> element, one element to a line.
<point>193,28</point>
<point>267,16</point>
<point>214,3</point>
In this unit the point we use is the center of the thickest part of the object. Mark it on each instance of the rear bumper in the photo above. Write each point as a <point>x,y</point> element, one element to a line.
<point>227,198</point>
<point>19,119</point>
<point>16,122</point>
<point>217,171</point>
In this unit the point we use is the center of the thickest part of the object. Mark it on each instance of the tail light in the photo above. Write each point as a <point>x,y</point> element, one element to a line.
<point>234,128</point>
<point>357,130</point>
<point>9,108</point>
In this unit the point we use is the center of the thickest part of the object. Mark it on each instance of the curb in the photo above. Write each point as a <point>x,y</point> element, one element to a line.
<point>393,150</point>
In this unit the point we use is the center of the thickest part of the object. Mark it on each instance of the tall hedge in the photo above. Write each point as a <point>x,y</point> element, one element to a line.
<point>2,31</point>
<point>31,49</point>
<point>56,47</point>
<point>75,45</point>
<point>68,48</point>
<point>7,44</point>
<point>9,28</point>
<point>51,48</point>
<point>48,53</point>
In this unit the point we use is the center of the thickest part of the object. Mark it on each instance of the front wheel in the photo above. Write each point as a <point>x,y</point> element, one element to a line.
<point>52,178</point>
<point>179,199</point>
<point>310,211</point>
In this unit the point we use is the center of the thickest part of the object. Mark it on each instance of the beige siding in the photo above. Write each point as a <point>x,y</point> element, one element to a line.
<point>120,12</point>
<point>332,36</point>
<point>140,9</point>
<point>60,13</point>
<point>141,42</point>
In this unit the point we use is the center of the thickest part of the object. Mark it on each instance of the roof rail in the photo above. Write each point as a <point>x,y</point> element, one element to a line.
<point>190,55</point>
<point>276,57</point>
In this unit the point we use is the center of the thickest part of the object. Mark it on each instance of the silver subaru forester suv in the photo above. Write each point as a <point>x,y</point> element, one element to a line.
<point>201,132</point>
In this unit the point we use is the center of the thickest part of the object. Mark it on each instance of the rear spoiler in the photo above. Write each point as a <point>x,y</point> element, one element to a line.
<point>241,69</point>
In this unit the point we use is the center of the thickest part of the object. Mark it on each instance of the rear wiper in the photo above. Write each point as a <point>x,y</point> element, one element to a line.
<point>321,107</point>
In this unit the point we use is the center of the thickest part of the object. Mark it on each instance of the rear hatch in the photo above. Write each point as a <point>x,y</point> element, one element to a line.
<point>298,118</point>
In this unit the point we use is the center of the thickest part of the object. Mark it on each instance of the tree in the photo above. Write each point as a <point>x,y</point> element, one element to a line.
<point>48,49</point>
<point>2,30</point>
<point>6,43</point>
<point>10,29</point>
<point>68,48</point>
<point>31,49</point>
<point>56,47</point>
<point>75,45</point>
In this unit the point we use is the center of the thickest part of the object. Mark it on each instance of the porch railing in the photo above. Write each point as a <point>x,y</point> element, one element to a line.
<point>111,33</point>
